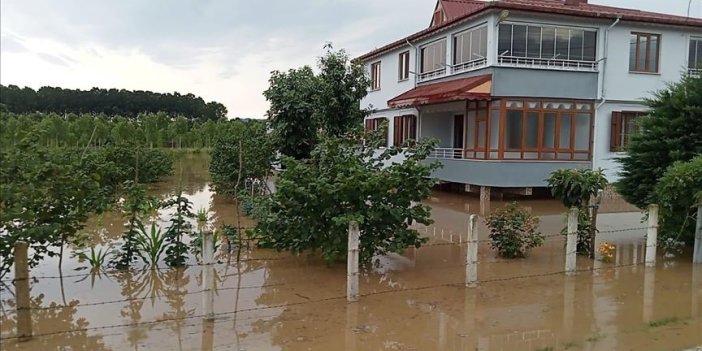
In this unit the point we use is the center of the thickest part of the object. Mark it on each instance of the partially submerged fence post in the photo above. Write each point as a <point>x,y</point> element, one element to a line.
<point>697,255</point>
<point>24,313</point>
<point>207,279</point>
<point>571,241</point>
<point>352,263</point>
<point>651,236</point>
<point>472,254</point>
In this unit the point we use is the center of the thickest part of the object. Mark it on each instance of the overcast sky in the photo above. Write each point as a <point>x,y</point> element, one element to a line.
<point>222,50</point>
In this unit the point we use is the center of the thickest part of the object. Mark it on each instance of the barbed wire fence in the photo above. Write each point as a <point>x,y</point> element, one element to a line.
<point>470,242</point>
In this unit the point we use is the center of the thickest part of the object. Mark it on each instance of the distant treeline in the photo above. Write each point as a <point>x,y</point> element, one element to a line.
<point>152,130</point>
<point>112,102</point>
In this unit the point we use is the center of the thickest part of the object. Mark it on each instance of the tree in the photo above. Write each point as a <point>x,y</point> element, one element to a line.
<point>678,193</point>
<point>302,103</point>
<point>316,199</point>
<point>292,98</point>
<point>576,188</point>
<point>342,84</point>
<point>671,132</point>
<point>247,141</point>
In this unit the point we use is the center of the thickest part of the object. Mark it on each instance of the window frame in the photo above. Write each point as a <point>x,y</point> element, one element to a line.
<point>698,53</point>
<point>404,128</point>
<point>647,60</point>
<point>469,31</point>
<point>529,56</point>
<point>619,133</point>
<point>403,66</point>
<point>373,123</point>
<point>421,56</point>
<point>375,75</point>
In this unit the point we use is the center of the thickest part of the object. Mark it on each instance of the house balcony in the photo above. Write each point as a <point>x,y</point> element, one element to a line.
<point>555,64</point>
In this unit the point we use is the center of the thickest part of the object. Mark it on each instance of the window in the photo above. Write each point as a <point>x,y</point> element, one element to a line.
<point>694,62</point>
<point>470,46</point>
<point>643,52</point>
<point>547,42</point>
<point>372,124</point>
<point>433,57</point>
<point>375,76</point>
<point>403,66</point>
<point>624,125</point>
<point>405,129</point>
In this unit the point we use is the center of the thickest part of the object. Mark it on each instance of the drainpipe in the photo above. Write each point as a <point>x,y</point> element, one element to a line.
<point>416,64</point>
<point>604,63</point>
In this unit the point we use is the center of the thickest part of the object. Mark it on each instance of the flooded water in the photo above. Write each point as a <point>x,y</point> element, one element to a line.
<point>415,301</point>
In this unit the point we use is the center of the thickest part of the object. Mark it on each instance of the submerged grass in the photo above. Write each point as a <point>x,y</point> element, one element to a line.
<point>664,321</point>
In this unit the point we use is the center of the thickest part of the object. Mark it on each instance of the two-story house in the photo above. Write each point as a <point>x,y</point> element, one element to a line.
<point>514,89</point>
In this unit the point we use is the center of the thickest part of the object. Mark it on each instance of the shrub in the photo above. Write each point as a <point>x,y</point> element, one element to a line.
<point>513,231</point>
<point>676,194</point>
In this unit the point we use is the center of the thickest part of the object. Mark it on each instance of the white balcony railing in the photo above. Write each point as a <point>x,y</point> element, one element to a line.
<point>695,72</point>
<point>432,74</point>
<point>548,63</point>
<point>446,153</point>
<point>469,66</point>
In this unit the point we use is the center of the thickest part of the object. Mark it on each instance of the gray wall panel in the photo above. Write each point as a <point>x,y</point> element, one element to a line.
<point>540,83</point>
<point>501,173</point>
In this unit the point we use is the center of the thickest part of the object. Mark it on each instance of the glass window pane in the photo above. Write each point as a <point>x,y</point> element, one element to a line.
<point>643,45</point>
<point>530,155</point>
<point>480,155</point>
<point>549,132</point>
<point>483,42</point>
<point>698,60</point>
<point>470,129</point>
<point>590,46</point>
<point>548,42</point>
<point>519,41</point>
<point>548,155</point>
<point>482,103</point>
<point>564,156</point>
<point>632,52</point>
<point>512,155</point>
<point>583,107</point>
<point>533,41</point>
<point>581,156</point>
<point>481,134</point>
<point>653,55</point>
<point>513,129</point>
<point>515,104</point>
<point>532,130</point>
<point>504,42</point>
<point>496,103</point>
<point>692,54</point>
<point>562,37</point>
<point>494,155</point>
<point>533,104</point>
<point>582,131</point>
<point>576,44</point>
<point>564,132</point>
<point>494,129</point>
<point>474,46</point>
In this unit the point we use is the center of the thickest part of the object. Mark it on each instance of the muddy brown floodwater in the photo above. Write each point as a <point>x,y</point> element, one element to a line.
<point>415,301</point>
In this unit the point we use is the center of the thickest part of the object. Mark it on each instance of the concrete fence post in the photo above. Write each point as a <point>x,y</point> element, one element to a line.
<point>24,312</point>
<point>352,263</point>
<point>697,255</point>
<point>472,254</point>
<point>571,241</point>
<point>207,276</point>
<point>651,236</point>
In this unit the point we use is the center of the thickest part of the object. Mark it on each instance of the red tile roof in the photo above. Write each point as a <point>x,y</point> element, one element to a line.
<point>458,11</point>
<point>451,90</point>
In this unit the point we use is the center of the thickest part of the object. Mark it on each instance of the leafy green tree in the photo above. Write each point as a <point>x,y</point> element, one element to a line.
<point>342,84</point>
<point>45,199</point>
<point>292,98</point>
<point>671,132</point>
<point>243,154</point>
<point>343,181</point>
<point>177,250</point>
<point>678,195</point>
<point>576,188</point>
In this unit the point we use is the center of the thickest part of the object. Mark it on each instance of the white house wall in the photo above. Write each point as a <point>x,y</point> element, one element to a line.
<point>389,85</point>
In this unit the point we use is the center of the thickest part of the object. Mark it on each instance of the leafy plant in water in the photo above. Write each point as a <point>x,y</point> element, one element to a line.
<point>576,188</point>
<point>96,258</point>
<point>678,195</point>
<point>344,181</point>
<point>176,253</point>
<point>151,243</point>
<point>513,231</point>
<point>136,204</point>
